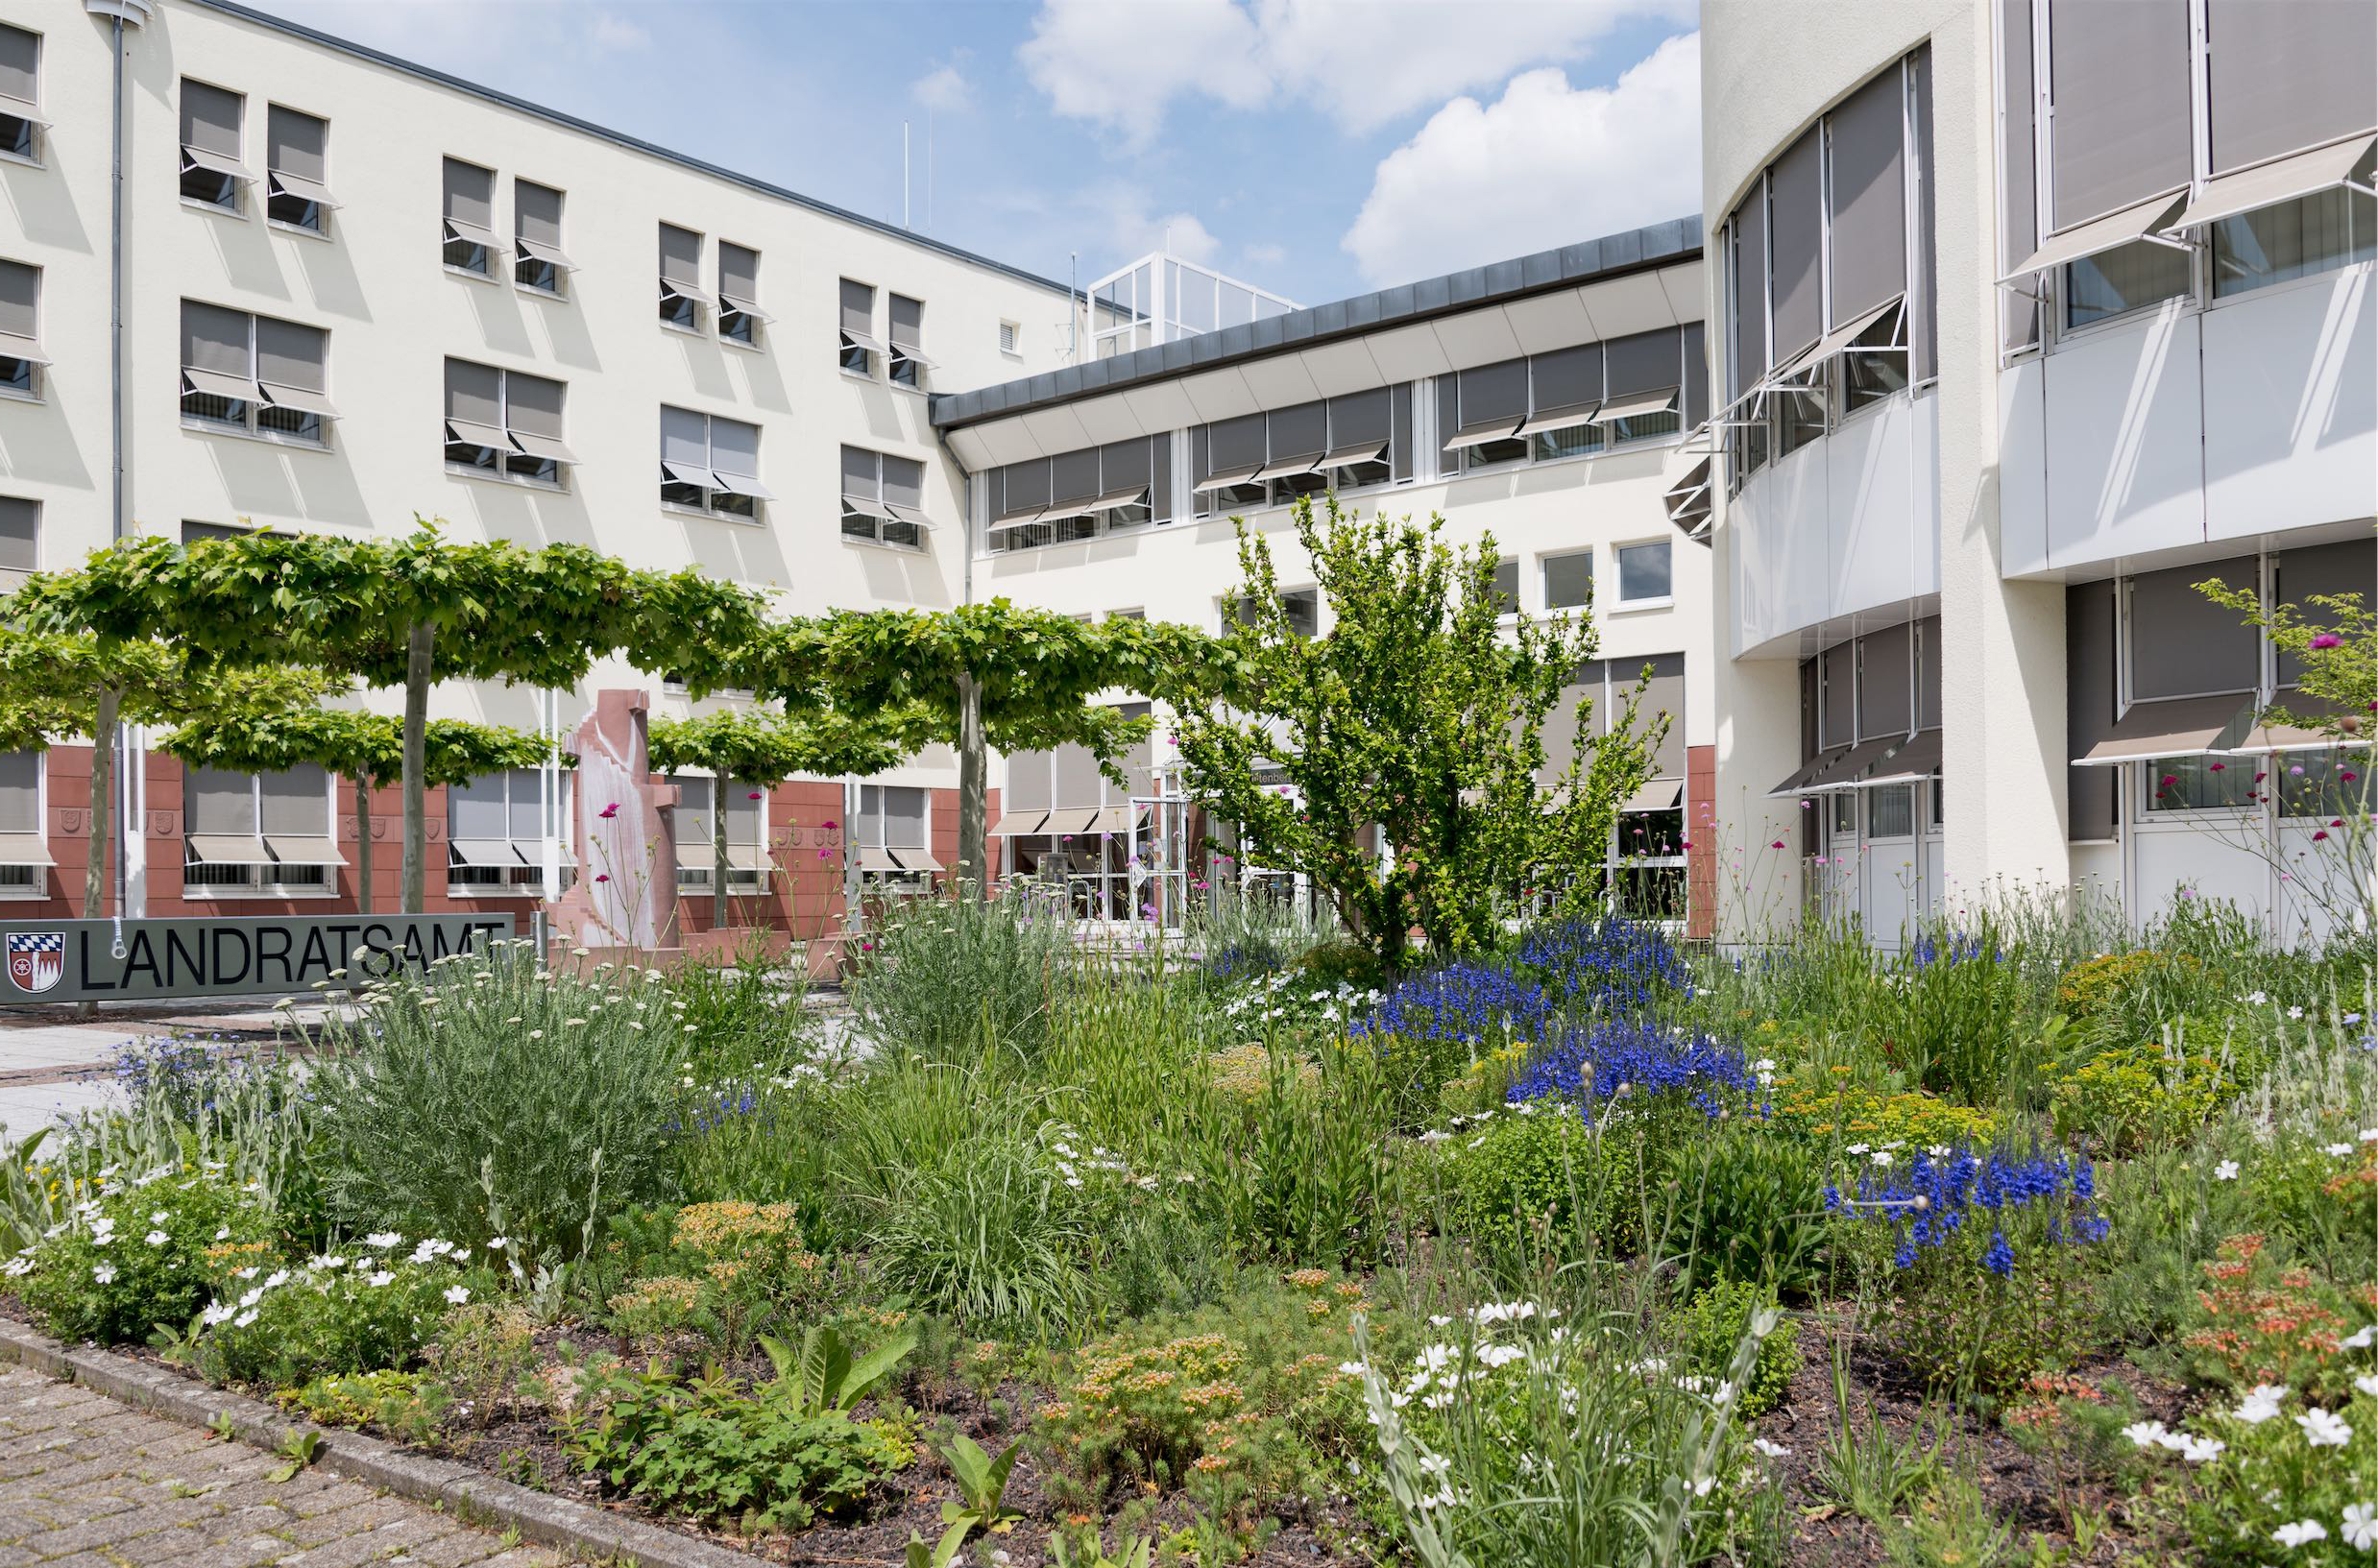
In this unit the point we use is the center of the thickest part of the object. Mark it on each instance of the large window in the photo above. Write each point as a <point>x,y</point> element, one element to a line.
<point>20,94</point>
<point>1645,574</point>
<point>1352,441</point>
<point>21,359</point>
<point>683,299</point>
<point>538,260</point>
<point>907,363</point>
<point>1568,581</point>
<point>1081,495</point>
<point>212,150</point>
<point>246,833</point>
<point>24,851</point>
<point>296,168</point>
<point>884,499</point>
<point>255,375</point>
<point>739,316</point>
<point>1572,402</point>
<point>494,832</point>
<point>505,425</point>
<point>2295,239</point>
<point>697,828</point>
<point>860,344</point>
<point>894,837</point>
<point>711,463</point>
<point>20,534</point>
<point>1302,606</point>
<point>469,228</point>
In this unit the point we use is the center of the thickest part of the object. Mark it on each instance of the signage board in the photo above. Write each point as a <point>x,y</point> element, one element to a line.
<point>82,960</point>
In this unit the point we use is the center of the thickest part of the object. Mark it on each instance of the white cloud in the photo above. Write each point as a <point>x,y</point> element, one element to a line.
<point>1264,254</point>
<point>945,90</point>
<point>1135,233</point>
<point>1545,165</point>
<point>1363,62</point>
<point>614,34</point>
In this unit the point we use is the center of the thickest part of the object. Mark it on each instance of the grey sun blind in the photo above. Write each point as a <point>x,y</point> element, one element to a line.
<point>20,792</point>
<point>1838,682</point>
<point>1664,693</point>
<point>1885,683</point>
<point>1234,443</point>
<point>2347,566</point>
<point>1360,417</point>
<point>297,144</point>
<point>1566,378</point>
<point>1924,337</point>
<point>1560,727</point>
<point>20,66</point>
<point>902,807</point>
<point>857,309</point>
<point>685,438</point>
<point>218,800</point>
<point>681,255</point>
<point>1072,476</point>
<point>533,404</point>
<point>2089,651</point>
<point>2020,317</point>
<point>735,447</point>
<point>1928,673</point>
<point>1399,401</point>
<point>537,213</point>
<point>904,482</point>
<point>470,193</point>
<point>210,119</point>
<point>214,339</point>
<point>1493,395</point>
<point>289,355</point>
<point>20,300</point>
<point>1124,463</point>
<point>1079,781</point>
<point>1807,711</point>
<point>738,271</point>
<point>862,475</point>
<point>2182,644</point>
<point>1022,487</point>
<point>907,321</point>
<point>474,394</point>
<point>1750,292</point>
<point>1644,361</point>
<point>1867,135</point>
<point>2118,81</point>
<point>1696,374</point>
<point>476,810</point>
<point>1028,782</point>
<point>1797,215</point>
<point>2289,74</point>
<point>1302,431</point>
<point>297,803</point>
<point>20,534</point>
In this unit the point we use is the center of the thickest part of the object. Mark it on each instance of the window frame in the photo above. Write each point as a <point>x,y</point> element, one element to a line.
<point>741,879</point>
<point>1620,602</point>
<point>857,359</point>
<point>234,199</point>
<point>753,318</point>
<point>691,319</point>
<point>321,207</point>
<point>1543,580</point>
<point>560,267</point>
<point>896,359</point>
<point>503,470</point>
<point>36,883</point>
<point>526,880</point>
<point>34,125</point>
<point>755,515</point>
<point>874,525</point>
<point>27,383</point>
<point>250,425</point>
<point>485,272</point>
<point>253,881</point>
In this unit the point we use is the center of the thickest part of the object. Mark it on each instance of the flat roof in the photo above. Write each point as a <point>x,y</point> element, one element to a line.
<point>347,46</point>
<point>1613,255</point>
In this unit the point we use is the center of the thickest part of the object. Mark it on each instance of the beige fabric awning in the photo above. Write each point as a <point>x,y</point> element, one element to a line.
<point>484,853</point>
<point>24,850</point>
<point>1559,418</point>
<point>2282,180</point>
<point>1224,478</point>
<point>1070,821</point>
<point>216,384</point>
<point>1850,767</point>
<point>1634,407</point>
<point>2273,734</point>
<point>1118,819</point>
<point>299,398</point>
<point>1657,795</point>
<point>228,849</point>
<point>1346,457</point>
<point>1798,780</point>
<point>2101,235</point>
<point>465,433</point>
<point>2173,727</point>
<point>871,858</point>
<point>915,859</point>
<point>538,250</point>
<point>1915,759</point>
<point>13,346</point>
<point>1018,823</point>
<point>545,447</point>
<point>199,157</point>
<point>303,849</point>
<point>299,186</point>
<point>1499,430</point>
<point>471,233</point>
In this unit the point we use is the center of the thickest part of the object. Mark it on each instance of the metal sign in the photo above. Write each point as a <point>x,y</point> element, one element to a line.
<point>145,960</point>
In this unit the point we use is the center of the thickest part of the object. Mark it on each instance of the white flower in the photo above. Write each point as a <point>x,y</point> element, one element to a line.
<point>2301,1530</point>
<point>2295,1012</point>
<point>1881,1157</point>
<point>2368,1383</point>
<point>2144,1432</point>
<point>104,1274</point>
<point>2256,998</point>
<point>224,1235</point>
<point>159,1218</point>
<point>277,1278</point>
<point>2369,1135</point>
<point>218,1312</point>
<point>156,1238</point>
<point>380,1240</point>
<point>2226,1170</point>
<point>2337,1151</point>
<point>457,1294</point>
<point>244,1318</point>
<point>383,1277</point>
<point>1859,1148</point>
<point>2261,1403</point>
<point>18,1267</point>
<point>2361,1526</point>
<point>2324,1429</point>
<point>2199,1450</point>
<point>1773,1451</point>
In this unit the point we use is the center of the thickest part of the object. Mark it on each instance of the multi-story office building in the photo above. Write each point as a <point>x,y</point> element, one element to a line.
<point>2032,313</point>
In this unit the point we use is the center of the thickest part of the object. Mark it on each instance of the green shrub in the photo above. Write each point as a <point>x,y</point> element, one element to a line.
<point>2134,1098</point>
<point>498,1100</point>
<point>356,1399</point>
<point>1711,1326</point>
<point>1348,962</point>
<point>144,1255</point>
<point>1537,1180</point>
<point>729,1271</point>
<point>989,1235</point>
<point>368,1310</point>
<point>1751,1209</point>
<point>951,977</point>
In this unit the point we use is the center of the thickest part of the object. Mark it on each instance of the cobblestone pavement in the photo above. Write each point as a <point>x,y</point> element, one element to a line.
<point>87,1483</point>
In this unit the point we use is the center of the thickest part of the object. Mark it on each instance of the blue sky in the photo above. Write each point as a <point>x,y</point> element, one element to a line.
<point>1316,147</point>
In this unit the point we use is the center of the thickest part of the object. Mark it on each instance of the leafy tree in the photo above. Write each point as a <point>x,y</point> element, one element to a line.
<point>404,612</point>
<point>367,748</point>
<point>763,749</point>
<point>1414,721</point>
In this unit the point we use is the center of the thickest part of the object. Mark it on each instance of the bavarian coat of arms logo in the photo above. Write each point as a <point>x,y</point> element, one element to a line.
<point>37,960</point>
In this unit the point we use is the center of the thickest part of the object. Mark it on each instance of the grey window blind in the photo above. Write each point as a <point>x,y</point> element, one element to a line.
<point>1072,476</point>
<point>1492,395</point>
<point>2182,644</point>
<point>1838,677</point>
<point>1023,487</point>
<point>735,447</point>
<point>1234,443</point>
<point>1928,673</point>
<point>681,255</point>
<point>20,66</point>
<point>1696,374</point>
<point>20,300</point>
<point>1885,683</point>
<point>296,803</point>
<point>685,441</point>
<point>474,394</point>
<point>902,807</point>
<point>1796,213</point>
<point>1124,463</point>
<point>2347,566</point>
<point>1359,419</point>
<point>214,339</point>
<point>743,814</point>
<point>20,792</point>
<point>907,321</point>
<point>1399,401</point>
<point>2117,80</point>
<point>1079,781</point>
<point>218,800</point>
<point>903,483</point>
<point>1644,361</point>
<point>20,534</point>
<point>2289,74</point>
<point>739,271</point>
<point>1560,727</point>
<point>1664,693</point>
<point>290,354</point>
<point>1924,339</point>
<point>477,810</point>
<point>528,808</point>
<point>2019,229</point>
<point>537,213</point>
<point>861,472</point>
<point>297,144</point>
<point>1867,136</point>
<point>1028,776</point>
<point>533,404</point>
<point>1298,433</point>
<point>210,119</point>
<point>2089,653</point>
<point>469,195</point>
<point>857,310</point>
<point>1565,377</point>
<point>1750,291</point>
<point>1807,710</point>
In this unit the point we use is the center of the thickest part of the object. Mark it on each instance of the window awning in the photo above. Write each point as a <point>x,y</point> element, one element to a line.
<point>1118,819</point>
<point>1070,821</point>
<point>1113,499</point>
<point>2282,180</point>
<point>303,849</point>
<point>539,251</point>
<point>2098,235</point>
<point>24,850</point>
<point>1687,500</point>
<point>1850,767</point>
<point>748,857</point>
<point>701,854</point>
<point>532,445</point>
<point>916,859</point>
<point>688,473</point>
<point>485,854</point>
<point>1915,759</point>
<point>19,108</point>
<point>1499,430</point>
<point>1798,780</point>
<point>906,513</point>
<point>227,849</point>
<point>736,305</point>
<point>678,288</point>
<point>216,384</point>
<point>471,233</point>
<point>862,340</point>
<point>2273,734</point>
<point>1657,795</point>
<point>1018,823</point>
<point>465,433</point>
<point>199,157</point>
<point>914,355</point>
<point>1636,406</point>
<point>12,347</point>
<point>1283,468</point>
<point>1842,339</point>
<point>299,398</point>
<point>872,859</point>
<point>277,183</point>
<point>2173,727</point>
<point>1559,418</point>
<point>1224,478</point>
<point>744,484</point>
<point>1346,457</point>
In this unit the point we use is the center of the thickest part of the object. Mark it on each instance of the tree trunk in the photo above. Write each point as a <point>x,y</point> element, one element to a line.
<point>973,795</point>
<point>416,739</point>
<point>719,854</point>
<point>102,804</point>
<point>363,846</point>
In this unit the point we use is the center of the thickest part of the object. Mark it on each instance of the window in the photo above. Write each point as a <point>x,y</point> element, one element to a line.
<point>494,832</point>
<point>859,342</point>
<point>1890,811</point>
<point>908,363</point>
<point>22,360</point>
<point>1507,586</point>
<point>538,260</point>
<point>24,852</point>
<point>1569,402</point>
<point>212,171</point>
<point>1300,606</point>
<point>895,832</point>
<point>504,425</point>
<point>20,94</point>
<point>1568,581</point>
<point>2129,278</point>
<point>256,833</point>
<point>2198,783</point>
<point>20,534</point>
<point>2294,239</point>
<point>470,230</point>
<point>200,533</point>
<point>296,168</point>
<point>257,374</point>
<point>710,464</point>
<point>1011,336</point>
<point>697,831</point>
<point>1338,443</point>
<point>683,299</point>
<point>1122,486</point>
<point>884,499</point>
<point>739,316</point>
<point>1643,573</point>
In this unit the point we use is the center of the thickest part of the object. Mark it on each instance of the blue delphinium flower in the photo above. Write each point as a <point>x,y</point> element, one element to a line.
<point>1586,1067</point>
<point>1928,1203</point>
<point>1999,1259</point>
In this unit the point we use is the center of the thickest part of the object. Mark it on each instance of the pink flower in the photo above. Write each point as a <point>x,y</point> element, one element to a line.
<point>608,811</point>
<point>2317,836</point>
<point>753,796</point>
<point>2170,779</point>
<point>1807,805</point>
<point>2338,822</point>
<point>2260,777</point>
<point>1687,844</point>
<point>2219,766</point>
<point>825,855</point>
<point>2348,777</point>
<point>829,825</point>
<point>2328,640</point>
<point>1777,845</point>
<point>602,876</point>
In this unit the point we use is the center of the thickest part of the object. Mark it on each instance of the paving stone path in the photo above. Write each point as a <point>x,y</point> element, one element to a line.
<point>87,1483</point>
